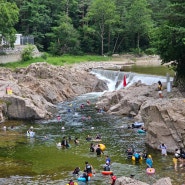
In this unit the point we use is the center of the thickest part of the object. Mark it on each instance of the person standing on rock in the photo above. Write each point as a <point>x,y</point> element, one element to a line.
<point>160,89</point>
<point>163,148</point>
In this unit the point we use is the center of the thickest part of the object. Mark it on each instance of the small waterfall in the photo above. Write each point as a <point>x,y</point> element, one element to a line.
<point>115,78</point>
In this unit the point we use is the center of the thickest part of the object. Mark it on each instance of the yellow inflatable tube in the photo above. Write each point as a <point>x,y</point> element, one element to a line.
<point>133,158</point>
<point>102,147</point>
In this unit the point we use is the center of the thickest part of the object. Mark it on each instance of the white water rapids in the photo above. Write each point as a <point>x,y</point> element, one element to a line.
<point>114,79</point>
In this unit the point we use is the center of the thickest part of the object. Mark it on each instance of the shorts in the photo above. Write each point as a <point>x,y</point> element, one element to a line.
<point>175,160</point>
<point>163,152</point>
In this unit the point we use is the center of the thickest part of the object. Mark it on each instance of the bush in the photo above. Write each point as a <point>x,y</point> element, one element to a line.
<point>28,53</point>
<point>45,56</point>
<point>151,51</point>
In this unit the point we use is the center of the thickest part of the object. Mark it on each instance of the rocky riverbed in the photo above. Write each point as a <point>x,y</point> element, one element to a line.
<point>38,87</point>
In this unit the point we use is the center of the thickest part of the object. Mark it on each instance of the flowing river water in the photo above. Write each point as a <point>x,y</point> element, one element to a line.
<point>38,160</point>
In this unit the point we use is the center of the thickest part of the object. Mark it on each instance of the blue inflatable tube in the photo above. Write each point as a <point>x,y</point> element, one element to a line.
<point>83,179</point>
<point>141,131</point>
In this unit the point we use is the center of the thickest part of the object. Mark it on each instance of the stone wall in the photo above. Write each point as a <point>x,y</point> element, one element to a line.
<point>14,55</point>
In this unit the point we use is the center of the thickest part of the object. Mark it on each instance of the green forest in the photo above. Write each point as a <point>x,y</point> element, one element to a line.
<point>101,27</point>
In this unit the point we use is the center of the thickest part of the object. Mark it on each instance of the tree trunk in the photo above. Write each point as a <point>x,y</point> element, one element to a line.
<point>138,43</point>
<point>115,44</point>
<point>102,44</point>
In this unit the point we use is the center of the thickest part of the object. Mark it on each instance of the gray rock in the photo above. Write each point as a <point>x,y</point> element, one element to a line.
<point>38,87</point>
<point>143,104</point>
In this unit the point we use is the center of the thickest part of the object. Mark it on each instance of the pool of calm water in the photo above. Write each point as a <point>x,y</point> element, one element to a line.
<point>38,160</point>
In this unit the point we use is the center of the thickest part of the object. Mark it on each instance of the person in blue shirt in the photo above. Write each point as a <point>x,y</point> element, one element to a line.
<point>137,156</point>
<point>149,161</point>
<point>107,160</point>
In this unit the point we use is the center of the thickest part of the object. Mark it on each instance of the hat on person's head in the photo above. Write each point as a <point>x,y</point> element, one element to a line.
<point>149,156</point>
<point>86,162</point>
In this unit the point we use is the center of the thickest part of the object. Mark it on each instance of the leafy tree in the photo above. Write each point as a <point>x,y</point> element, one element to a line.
<point>170,39</point>
<point>64,37</point>
<point>139,22</point>
<point>35,20</point>
<point>100,17</point>
<point>9,13</point>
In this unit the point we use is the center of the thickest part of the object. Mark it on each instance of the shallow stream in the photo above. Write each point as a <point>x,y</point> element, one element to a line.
<point>38,160</point>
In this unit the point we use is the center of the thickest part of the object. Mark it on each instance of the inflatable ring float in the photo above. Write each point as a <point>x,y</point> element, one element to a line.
<point>83,179</point>
<point>141,131</point>
<point>107,172</point>
<point>90,174</point>
<point>150,171</point>
<point>102,147</point>
<point>75,183</point>
<point>133,158</point>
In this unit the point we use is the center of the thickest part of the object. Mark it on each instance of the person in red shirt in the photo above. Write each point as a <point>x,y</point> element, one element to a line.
<point>71,182</point>
<point>113,179</point>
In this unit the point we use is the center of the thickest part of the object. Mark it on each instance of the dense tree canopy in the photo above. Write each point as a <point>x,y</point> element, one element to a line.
<point>8,18</point>
<point>171,39</point>
<point>101,27</point>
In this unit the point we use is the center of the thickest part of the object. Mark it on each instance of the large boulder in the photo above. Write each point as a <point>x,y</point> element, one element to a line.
<point>165,122</point>
<point>164,118</point>
<point>128,181</point>
<point>163,181</point>
<point>38,87</point>
<point>126,102</point>
<point>132,181</point>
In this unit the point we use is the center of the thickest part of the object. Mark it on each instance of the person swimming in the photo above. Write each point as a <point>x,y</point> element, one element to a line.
<point>92,147</point>
<point>76,171</point>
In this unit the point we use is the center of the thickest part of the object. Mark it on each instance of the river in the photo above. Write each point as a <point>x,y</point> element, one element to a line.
<point>38,160</point>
